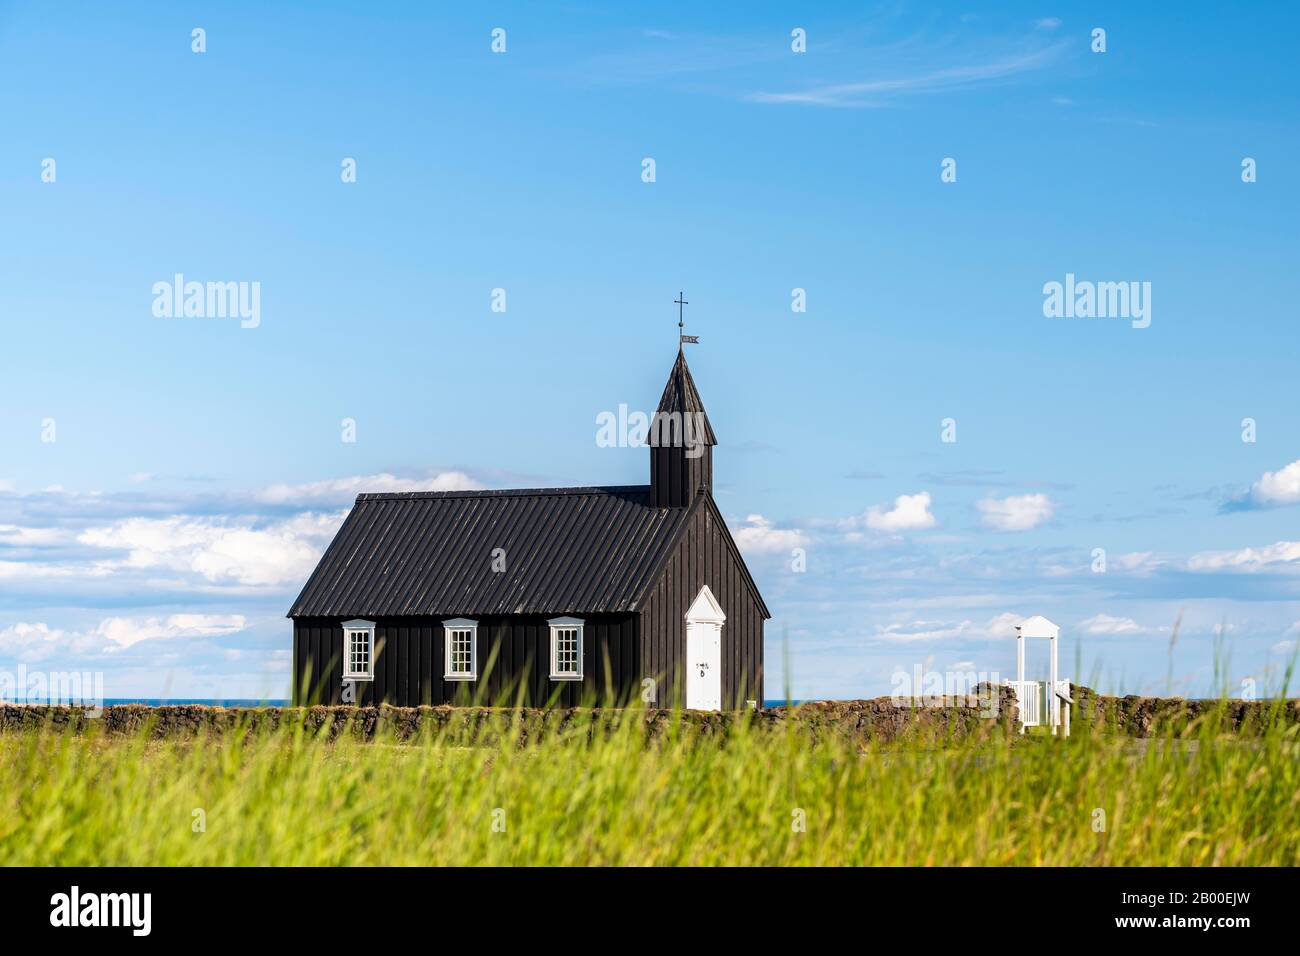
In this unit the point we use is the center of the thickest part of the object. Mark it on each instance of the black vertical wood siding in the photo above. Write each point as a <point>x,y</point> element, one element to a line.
<point>409,663</point>
<point>704,556</point>
<point>409,650</point>
<point>675,478</point>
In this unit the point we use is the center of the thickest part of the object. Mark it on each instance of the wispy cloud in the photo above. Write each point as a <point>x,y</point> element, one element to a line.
<point>53,506</point>
<point>1000,626</point>
<point>974,477</point>
<point>882,91</point>
<point>1283,553</point>
<point>35,642</point>
<point>338,491</point>
<point>1108,625</point>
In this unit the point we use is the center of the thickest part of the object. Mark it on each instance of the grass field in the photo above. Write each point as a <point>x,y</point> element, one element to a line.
<point>762,797</point>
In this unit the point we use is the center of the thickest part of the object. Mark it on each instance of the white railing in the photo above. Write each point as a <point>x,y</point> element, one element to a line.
<point>1029,699</point>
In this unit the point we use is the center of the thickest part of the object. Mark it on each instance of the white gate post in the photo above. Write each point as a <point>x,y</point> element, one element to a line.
<point>1037,626</point>
<point>1020,678</point>
<point>1054,713</point>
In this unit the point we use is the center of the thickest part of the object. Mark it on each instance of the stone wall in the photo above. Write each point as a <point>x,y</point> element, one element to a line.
<point>878,720</point>
<point>1136,716</point>
<point>987,712</point>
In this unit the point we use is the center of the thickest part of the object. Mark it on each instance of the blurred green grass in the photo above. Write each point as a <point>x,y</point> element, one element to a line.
<point>609,795</point>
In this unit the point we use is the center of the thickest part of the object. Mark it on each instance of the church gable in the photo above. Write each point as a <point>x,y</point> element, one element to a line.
<point>705,556</point>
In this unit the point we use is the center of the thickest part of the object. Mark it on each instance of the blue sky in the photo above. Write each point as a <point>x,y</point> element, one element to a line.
<point>197,470</point>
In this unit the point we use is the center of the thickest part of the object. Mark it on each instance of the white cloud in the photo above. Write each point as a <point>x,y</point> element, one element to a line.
<point>1002,625</point>
<point>1245,559</point>
<point>21,537</point>
<point>910,512</point>
<point>39,570</point>
<point>268,538</point>
<point>1106,624</point>
<point>222,550</point>
<point>924,631</point>
<point>339,491</point>
<point>1015,512</point>
<point>1277,488</point>
<point>1136,561</point>
<point>759,536</point>
<point>30,642</point>
<point>1048,23</point>
<point>122,632</point>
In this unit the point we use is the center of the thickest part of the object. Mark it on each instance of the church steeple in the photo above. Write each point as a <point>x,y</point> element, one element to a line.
<point>681,442</point>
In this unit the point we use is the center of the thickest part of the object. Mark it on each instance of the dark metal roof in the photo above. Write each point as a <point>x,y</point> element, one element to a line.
<point>575,550</point>
<point>680,395</point>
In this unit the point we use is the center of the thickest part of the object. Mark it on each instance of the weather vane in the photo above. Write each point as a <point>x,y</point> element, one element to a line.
<point>681,303</point>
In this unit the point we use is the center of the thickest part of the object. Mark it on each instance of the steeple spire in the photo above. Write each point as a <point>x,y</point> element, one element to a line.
<point>681,396</point>
<point>681,442</point>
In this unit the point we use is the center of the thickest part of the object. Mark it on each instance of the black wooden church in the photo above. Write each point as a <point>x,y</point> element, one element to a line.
<point>559,595</point>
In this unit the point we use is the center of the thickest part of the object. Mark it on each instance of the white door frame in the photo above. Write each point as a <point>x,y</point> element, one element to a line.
<point>704,621</point>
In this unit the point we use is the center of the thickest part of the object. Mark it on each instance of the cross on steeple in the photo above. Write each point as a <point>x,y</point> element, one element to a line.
<point>682,339</point>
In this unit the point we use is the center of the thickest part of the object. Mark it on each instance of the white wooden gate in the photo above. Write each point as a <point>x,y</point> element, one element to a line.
<point>1029,698</point>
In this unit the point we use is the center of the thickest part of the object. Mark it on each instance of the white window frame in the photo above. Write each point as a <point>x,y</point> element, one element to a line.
<point>565,624</point>
<point>448,627</point>
<point>358,627</point>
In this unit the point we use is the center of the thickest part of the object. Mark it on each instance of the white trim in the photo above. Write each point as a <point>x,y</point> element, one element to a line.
<point>1038,626</point>
<point>566,624</point>
<point>367,628</point>
<point>704,622</point>
<point>705,608</point>
<point>448,627</point>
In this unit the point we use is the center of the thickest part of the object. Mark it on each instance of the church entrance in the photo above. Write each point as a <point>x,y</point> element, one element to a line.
<point>704,623</point>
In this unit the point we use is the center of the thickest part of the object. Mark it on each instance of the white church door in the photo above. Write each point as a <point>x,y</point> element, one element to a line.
<point>704,623</point>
